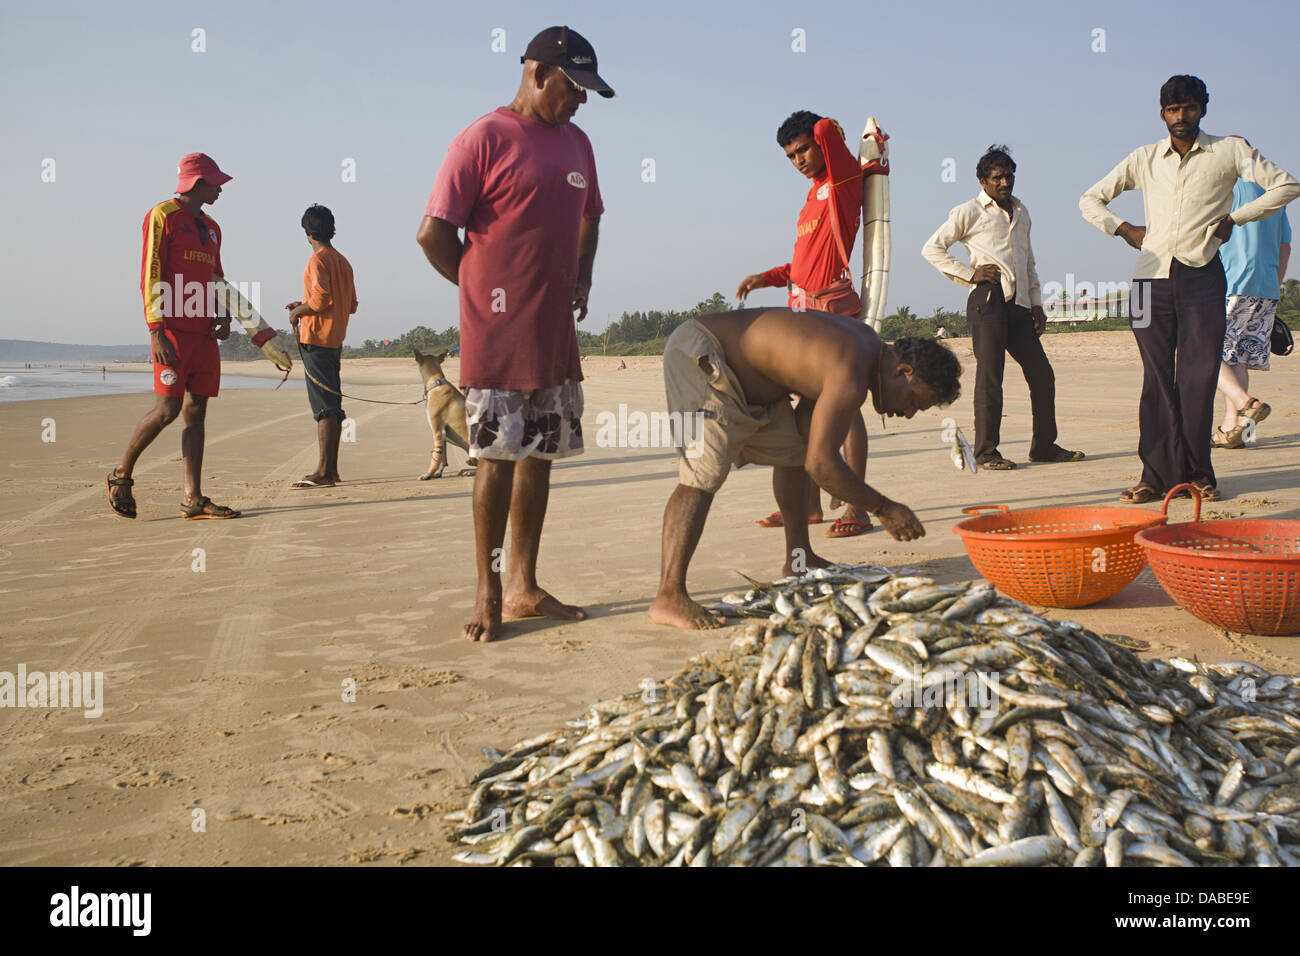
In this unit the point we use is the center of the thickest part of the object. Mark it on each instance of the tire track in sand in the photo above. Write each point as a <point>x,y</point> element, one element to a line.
<point>238,649</point>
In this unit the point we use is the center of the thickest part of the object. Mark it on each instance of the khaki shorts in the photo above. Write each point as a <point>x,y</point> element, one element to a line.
<point>732,431</point>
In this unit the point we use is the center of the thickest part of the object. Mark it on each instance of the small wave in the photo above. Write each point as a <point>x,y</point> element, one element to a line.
<point>10,381</point>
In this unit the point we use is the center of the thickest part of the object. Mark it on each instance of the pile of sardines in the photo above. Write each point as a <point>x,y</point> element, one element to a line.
<point>873,718</point>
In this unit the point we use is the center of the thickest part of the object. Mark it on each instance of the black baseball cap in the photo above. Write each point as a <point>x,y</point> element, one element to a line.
<point>569,50</point>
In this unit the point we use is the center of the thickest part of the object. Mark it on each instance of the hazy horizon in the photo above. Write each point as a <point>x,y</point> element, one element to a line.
<point>285,96</point>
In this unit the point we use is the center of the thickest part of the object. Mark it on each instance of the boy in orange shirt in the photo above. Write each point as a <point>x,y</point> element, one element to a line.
<point>321,321</point>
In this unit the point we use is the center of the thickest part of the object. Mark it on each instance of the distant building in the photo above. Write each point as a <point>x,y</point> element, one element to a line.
<point>1088,310</point>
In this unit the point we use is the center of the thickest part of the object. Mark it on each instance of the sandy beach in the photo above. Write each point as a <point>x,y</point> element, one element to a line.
<point>224,688</point>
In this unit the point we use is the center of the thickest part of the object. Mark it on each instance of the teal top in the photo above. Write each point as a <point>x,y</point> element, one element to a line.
<point>1251,254</point>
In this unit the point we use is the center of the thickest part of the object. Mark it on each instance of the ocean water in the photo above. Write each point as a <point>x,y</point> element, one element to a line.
<point>18,384</point>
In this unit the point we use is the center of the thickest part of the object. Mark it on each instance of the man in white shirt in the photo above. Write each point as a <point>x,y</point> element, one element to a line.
<point>1176,304</point>
<point>1004,309</point>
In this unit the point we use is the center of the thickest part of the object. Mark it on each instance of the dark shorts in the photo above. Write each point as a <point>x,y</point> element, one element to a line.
<point>322,367</point>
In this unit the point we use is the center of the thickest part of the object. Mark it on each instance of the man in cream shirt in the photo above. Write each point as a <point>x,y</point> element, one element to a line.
<point>1004,308</point>
<point>1176,304</point>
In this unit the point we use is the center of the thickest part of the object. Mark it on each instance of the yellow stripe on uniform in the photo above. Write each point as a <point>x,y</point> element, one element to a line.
<point>153,261</point>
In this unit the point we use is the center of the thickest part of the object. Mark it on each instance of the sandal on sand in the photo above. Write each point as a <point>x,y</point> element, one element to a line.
<point>1255,410</point>
<point>1140,494</point>
<point>204,508</point>
<point>122,505</point>
<point>774,520</point>
<point>1207,490</point>
<point>848,528</point>
<point>997,464</point>
<point>1058,454</point>
<point>1228,439</point>
<point>312,483</point>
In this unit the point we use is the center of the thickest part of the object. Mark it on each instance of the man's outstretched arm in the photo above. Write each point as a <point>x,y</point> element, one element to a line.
<point>832,414</point>
<point>441,243</point>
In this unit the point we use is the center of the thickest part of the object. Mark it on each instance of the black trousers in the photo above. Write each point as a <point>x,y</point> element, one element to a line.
<point>999,329</point>
<point>1178,323</point>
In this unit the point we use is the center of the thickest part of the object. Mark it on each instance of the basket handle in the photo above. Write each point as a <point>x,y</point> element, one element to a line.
<point>1196,493</point>
<point>976,509</point>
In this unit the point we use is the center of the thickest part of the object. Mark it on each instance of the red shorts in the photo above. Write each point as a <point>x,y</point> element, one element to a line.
<point>198,366</point>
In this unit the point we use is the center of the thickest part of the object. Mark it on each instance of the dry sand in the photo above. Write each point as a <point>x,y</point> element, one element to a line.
<point>224,688</point>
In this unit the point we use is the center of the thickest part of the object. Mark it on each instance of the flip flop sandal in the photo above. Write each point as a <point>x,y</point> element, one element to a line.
<point>1139,494</point>
<point>997,464</point>
<point>1228,439</point>
<point>1059,455</point>
<point>122,505</point>
<point>774,520</point>
<point>199,510</point>
<point>1256,411</point>
<point>308,483</point>
<point>847,528</point>
<point>1207,490</point>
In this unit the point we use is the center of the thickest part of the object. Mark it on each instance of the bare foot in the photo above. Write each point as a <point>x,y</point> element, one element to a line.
<point>486,623</point>
<point>806,562</point>
<point>678,610</point>
<point>539,603</point>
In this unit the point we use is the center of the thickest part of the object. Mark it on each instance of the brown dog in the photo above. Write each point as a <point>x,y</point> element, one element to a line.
<point>446,408</point>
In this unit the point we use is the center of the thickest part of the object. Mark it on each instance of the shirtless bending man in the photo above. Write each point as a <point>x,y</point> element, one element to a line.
<point>740,369</point>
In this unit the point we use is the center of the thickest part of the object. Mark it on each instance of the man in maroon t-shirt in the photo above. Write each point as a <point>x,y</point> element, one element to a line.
<point>521,182</point>
<point>819,276</point>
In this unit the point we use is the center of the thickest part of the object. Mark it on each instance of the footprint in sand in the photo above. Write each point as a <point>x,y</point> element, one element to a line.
<point>404,677</point>
<point>56,778</point>
<point>568,645</point>
<point>400,855</point>
<point>147,779</point>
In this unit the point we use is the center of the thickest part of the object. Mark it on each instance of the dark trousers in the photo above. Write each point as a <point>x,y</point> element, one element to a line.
<point>999,329</point>
<point>1178,323</point>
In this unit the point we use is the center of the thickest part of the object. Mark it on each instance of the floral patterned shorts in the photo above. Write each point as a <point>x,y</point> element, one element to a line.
<point>509,425</point>
<point>1250,328</point>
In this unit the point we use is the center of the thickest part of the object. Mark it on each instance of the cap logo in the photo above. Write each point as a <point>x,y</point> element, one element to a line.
<point>579,60</point>
<point>576,180</point>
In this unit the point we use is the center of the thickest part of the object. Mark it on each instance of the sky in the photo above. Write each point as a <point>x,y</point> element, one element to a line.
<point>285,95</point>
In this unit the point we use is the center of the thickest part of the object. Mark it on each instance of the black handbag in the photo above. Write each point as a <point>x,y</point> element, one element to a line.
<point>1281,342</point>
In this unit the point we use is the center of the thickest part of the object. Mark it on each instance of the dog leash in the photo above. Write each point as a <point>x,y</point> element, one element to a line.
<point>373,401</point>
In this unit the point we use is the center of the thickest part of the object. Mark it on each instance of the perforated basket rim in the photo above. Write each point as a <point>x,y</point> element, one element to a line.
<point>1208,556</point>
<point>1143,520</point>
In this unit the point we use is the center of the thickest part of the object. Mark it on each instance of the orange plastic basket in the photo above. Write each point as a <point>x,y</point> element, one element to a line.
<point>1241,575</point>
<point>1057,557</point>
